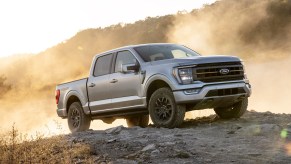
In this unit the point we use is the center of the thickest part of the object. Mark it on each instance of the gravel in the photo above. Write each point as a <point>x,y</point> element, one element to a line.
<point>254,138</point>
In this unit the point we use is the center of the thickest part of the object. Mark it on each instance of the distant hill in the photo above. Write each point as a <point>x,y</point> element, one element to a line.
<point>72,58</point>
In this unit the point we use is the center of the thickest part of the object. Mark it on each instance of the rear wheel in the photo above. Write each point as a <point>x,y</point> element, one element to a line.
<point>235,111</point>
<point>163,109</point>
<point>141,121</point>
<point>77,120</point>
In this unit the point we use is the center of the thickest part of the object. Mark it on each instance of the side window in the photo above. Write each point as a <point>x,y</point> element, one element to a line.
<point>123,57</point>
<point>102,66</point>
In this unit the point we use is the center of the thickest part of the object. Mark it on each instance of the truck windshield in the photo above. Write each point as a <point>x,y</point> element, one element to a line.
<point>151,53</point>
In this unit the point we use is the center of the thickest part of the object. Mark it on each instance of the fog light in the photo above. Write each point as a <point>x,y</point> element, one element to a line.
<point>192,91</point>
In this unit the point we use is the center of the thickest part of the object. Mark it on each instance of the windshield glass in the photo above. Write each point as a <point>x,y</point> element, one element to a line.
<point>151,53</point>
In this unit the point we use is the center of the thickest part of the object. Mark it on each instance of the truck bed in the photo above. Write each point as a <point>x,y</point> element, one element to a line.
<point>68,88</point>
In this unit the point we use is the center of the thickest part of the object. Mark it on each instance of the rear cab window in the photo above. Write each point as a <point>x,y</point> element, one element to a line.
<point>103,65</point>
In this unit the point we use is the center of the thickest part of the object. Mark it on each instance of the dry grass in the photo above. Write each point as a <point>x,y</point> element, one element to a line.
<point>18,148</point>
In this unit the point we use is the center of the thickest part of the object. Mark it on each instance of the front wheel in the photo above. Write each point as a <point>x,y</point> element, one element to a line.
<point>77,120</point>
<point>141,121</point>
<point>234,111</point>
<point>163,109</point>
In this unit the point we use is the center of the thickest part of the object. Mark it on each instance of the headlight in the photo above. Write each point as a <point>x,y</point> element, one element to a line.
<point>185,75</point>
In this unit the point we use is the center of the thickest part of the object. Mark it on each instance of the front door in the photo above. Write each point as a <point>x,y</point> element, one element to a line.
<point>125,86</point>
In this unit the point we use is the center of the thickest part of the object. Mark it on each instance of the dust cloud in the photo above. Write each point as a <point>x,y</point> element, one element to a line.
<point>271,83</point>
<point>30,81</point>
<point>259,32</point>
<point>27,86</point>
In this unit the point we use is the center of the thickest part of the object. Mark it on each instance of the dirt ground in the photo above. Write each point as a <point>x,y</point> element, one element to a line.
<point>254,138</point>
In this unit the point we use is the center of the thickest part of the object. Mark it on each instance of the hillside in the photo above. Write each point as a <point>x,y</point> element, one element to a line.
<point>250,29</point>
<point>254,138</point>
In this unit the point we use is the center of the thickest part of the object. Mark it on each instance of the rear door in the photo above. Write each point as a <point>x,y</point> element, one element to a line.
<point>99,88</point>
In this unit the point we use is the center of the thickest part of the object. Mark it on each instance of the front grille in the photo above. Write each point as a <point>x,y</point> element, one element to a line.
<point>225,92</point>
<point>212,72</point>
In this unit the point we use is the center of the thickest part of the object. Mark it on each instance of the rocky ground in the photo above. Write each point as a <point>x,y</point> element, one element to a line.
<point>254,138</point>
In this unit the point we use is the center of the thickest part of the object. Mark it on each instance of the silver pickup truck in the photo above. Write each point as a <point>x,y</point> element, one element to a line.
<point>161,80</point>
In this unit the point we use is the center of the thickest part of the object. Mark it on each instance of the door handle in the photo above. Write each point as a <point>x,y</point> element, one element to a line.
<point>92,85</point>
<point>113,81</point>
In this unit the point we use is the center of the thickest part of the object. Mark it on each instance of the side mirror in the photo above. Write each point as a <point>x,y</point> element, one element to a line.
<point>129,68</point>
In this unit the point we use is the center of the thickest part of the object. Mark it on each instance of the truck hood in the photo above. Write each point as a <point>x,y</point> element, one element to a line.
<point>198,60</point>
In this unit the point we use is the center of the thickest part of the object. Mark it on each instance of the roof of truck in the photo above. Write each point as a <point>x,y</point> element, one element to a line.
<point>133,46</point>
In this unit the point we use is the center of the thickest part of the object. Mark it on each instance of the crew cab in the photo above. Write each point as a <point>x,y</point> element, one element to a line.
<point>161,81</point>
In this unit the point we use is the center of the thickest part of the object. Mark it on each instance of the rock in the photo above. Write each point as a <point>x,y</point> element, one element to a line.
<point>132,156</point>
<point>167,138</point>
<point>155,153</point>
<point>124,135</point>
<point>149,147</point>
<point>125,161</point>
<point>112,140</point>
<point>114,130</point>
<point>182,154</point>
<point>208,160</point>
<point>231,132</point>
<point>142,141</point>
<point>179,135</point>
<point>167,144</point>
<point>254,154</point>
<point>203,145</point>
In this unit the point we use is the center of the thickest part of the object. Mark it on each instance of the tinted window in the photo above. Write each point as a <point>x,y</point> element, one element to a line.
<point>151,53</point>
<point>123,57</point>
<point>103,64</point>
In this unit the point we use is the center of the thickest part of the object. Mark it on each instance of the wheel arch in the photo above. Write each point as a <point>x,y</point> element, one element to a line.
<point>156,82</point>
<point>72,97</point>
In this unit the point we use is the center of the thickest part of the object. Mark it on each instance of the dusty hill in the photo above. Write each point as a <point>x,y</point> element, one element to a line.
<point>249,29</point>
<point>254,138</point>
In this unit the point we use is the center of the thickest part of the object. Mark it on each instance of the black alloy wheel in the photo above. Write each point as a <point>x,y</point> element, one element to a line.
<point>163,109</point>
<point>77,120</point>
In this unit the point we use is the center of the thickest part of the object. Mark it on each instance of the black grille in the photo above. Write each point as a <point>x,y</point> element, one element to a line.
<point>225,92</point>
<point>212,72</point>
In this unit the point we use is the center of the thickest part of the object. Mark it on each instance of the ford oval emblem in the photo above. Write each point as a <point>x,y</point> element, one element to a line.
<point>224,71</point>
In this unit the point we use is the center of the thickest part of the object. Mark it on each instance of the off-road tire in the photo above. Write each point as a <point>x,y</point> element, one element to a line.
<point>77,120</point>
<point>235,111</point>
<point>163,109</point>
<point>141,121</point>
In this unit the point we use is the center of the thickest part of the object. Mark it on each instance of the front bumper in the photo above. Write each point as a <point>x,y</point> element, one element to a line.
<point>203,100</point>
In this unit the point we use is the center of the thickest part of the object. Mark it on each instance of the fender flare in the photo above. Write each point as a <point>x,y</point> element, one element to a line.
<point>69,95</point>
<point>155,77</point>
